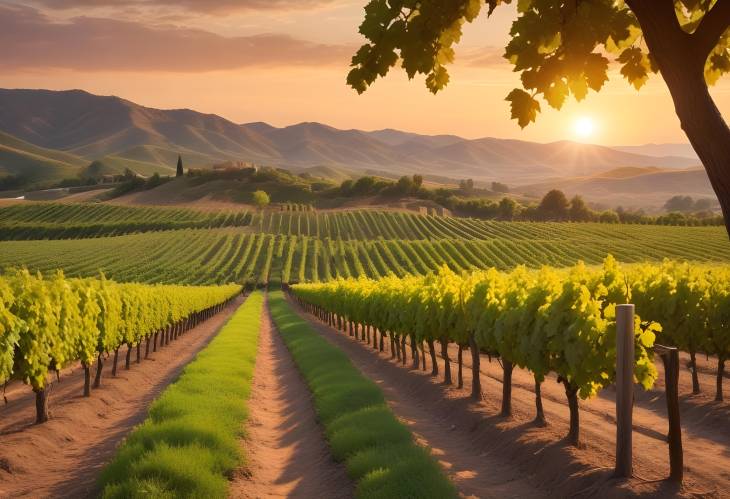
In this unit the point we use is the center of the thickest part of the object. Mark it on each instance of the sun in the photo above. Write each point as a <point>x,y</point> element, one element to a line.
<point>584,127</point>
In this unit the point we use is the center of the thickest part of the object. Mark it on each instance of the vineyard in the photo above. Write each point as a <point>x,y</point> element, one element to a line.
<point>70,221</point>
<point>102,288</point>
<point>550,321</point>
<point>47,324</point>
<point>77,221</point>
<point>217,256</point>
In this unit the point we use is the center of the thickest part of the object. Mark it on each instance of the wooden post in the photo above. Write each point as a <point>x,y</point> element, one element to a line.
<point>670,358</point>
<point>624,389</point>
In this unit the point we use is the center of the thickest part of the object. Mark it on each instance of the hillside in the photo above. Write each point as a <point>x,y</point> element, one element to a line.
<point>96,127</point>
<point>34,163</point>
<point>681,150</point>
<point>631,187</point>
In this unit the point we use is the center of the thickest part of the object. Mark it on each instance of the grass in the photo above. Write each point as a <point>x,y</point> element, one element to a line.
<point>379,452</point>
<point>189,443</point>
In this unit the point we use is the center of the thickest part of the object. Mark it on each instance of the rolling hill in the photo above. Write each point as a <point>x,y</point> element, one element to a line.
<point>680,150</point>
<point>34,163</point>
<point>630,187</point>
<point>97,127</point>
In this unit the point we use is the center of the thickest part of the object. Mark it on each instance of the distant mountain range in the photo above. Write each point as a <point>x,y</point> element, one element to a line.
<point>49,135</point>
<point>631,187</point>
<point>677,150</point>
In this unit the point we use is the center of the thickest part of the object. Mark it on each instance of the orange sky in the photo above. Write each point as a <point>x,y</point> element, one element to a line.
<point>285,61</point>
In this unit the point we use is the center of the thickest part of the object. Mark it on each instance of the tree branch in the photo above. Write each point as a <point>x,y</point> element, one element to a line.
<point>714,23</point>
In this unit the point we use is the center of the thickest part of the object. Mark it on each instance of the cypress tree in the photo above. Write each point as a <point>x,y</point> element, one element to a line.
<point>179,167</point>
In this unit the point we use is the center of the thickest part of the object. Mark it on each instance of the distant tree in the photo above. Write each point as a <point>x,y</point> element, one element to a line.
<point>404,185</point>
<point>364,186</point>
<point>179,172</point>
<point>507,209</point>
<point>673,218</point>
<point>12,182</point>
<point>346,187</point>
<point>261,199</point>
<point>565,48</point>
<point>704,204</point>
<point>608,217</point>
<point>683,204</point>
<point>500,187</point>
<point>631,216</point>
<point>467,186</point>
<point>95,169</point>
<point>579,211</point>
<point>154,181</point>
<point>554,206</point>
<point>417,181</point>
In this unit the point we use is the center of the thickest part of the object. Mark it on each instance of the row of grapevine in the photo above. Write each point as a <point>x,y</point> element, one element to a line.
<point>559,321</point>
<point>217,256</point>
<point>73,221</point>
<point>693,302</point>
<point>47,324</point>
<point>373,225</point>
<point>88,213</point>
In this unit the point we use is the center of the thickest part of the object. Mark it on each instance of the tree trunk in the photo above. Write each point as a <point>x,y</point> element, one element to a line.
<point>507,368</point>
<point>147,347</point>
<point>447,361</point>
<point>423,356</point>
<point>414,352</point>
<point>41,406</point>
<point>434,363</point>
<point>540,416</point>
<point>114,366</point>
<point>382,341</point>
<point>392,346</point>
<point>99,367</point>
<point>476,382</point>
<point>681,59</point>
<point>87,380</point>
<point>154,343</point>
<point>574,434</point>
<point>460,376</point>
<point>139,352</point>
<point>693,369</point>
<point>128,359</point>
<point>403,351</point>
<point>720,374</point>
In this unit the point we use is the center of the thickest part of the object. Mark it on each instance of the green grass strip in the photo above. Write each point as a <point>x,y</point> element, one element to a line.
<point>189,443</point>
<point>379,451</point>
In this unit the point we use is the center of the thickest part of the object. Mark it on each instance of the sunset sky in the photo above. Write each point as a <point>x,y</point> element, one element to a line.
<point>285,61</point>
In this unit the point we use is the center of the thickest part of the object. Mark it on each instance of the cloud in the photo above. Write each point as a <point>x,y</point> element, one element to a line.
<point>32,40</point>
<point>206,6</point>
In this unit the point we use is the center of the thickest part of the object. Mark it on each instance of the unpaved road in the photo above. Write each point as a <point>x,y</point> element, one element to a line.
<point>63,457</point>
<point>286,451</point>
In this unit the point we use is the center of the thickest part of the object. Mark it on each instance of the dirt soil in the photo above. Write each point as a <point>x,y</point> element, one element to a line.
<point>63,457</point>
<point>285,448</point>
<point>514,454</point>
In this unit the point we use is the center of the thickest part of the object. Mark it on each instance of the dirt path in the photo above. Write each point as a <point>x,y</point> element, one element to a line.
<point>475,470</point>
<point>539,455</point>
<point>286,451</point>
<point>63,457</point>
